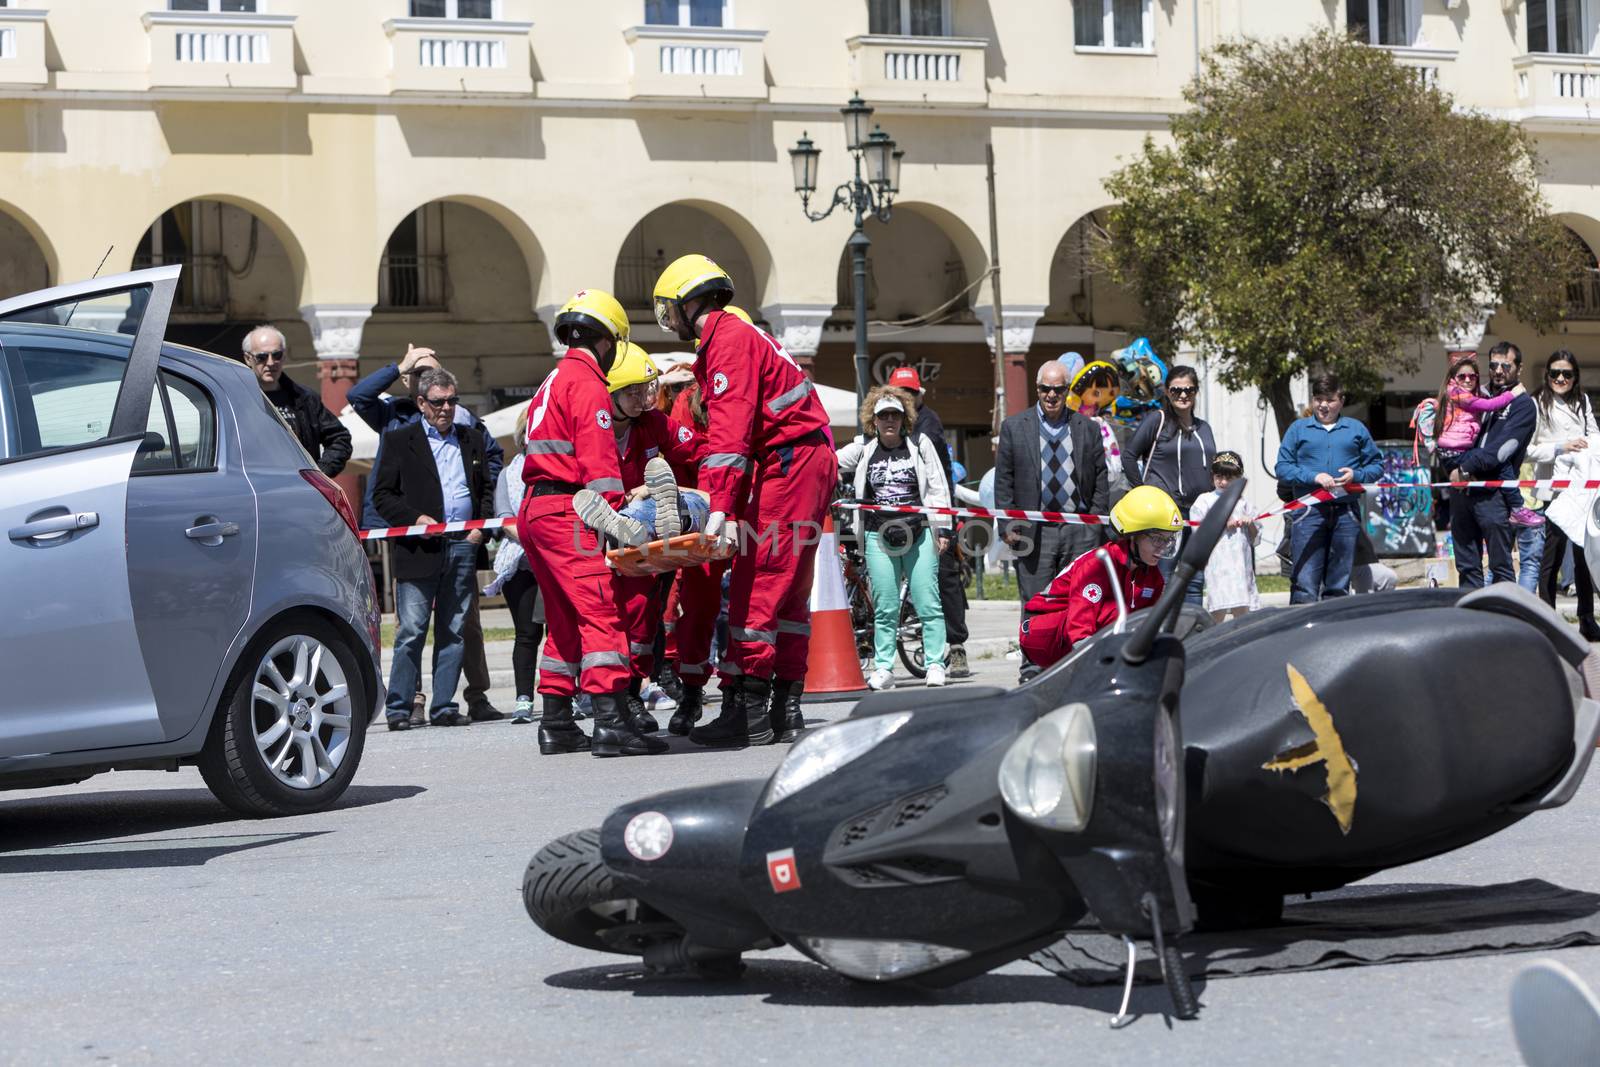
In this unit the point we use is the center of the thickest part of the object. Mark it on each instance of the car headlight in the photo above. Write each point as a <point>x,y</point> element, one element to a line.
<point>819,754</point>
<point>1166,771</point>
<point>1047,777</point>
<point>880,961</point>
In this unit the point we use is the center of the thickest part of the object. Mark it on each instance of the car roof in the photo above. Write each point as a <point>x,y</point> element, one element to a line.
<point>184,353</point>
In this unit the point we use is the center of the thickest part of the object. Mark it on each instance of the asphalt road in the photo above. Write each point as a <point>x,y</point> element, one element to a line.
<point>143,924</point>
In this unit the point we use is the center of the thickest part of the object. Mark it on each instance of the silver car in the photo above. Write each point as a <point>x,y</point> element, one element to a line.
<point>182,585</point>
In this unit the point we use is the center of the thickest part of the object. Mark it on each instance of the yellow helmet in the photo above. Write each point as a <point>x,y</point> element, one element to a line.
<point>1146,508</point>
<point>632,366</point>
<point>739,313</point>
<point>686,278</point>
<point>593,309</point>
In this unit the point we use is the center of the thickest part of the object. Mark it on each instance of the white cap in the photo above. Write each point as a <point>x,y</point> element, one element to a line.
<point>888,403</point>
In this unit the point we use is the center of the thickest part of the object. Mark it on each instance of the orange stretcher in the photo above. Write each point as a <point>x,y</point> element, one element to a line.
<point>658,557</point>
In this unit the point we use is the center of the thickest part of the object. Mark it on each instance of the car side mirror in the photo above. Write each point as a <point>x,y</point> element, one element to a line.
<point>153,442</point>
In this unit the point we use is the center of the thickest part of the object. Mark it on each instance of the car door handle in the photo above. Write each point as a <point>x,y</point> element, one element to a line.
<point>55,526</point>
<point>209,530</point>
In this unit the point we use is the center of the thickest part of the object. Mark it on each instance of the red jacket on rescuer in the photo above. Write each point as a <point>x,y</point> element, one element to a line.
<point>569,433</point>
<point>1080,601</point>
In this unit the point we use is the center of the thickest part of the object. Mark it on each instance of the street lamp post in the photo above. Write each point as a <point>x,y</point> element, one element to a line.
<point>869,194</point>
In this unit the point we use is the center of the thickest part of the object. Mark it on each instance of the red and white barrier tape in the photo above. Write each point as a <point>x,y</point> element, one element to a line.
<point>434,528</point>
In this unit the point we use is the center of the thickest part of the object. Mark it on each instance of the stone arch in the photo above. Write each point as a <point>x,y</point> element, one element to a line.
<point>1080,296</point>
<point>29,260</point>
<point>678,227</point>
<point>935,258</point>
<point>278,230</point>
<point>539,284</point>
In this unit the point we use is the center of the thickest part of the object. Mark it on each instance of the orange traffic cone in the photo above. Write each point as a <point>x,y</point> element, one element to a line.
<point>832,666</point>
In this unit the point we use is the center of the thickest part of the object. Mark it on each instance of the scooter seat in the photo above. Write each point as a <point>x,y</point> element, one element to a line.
<point>917,699</point>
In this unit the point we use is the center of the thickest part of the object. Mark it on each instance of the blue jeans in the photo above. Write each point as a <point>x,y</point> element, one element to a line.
<point>645,511</point>
<point>1323,541</point>
<point>446,596</point>
<point>1530,552</point>
<point>1481,524</point>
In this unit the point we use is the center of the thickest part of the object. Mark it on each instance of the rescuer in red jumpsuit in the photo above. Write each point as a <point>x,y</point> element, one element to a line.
<point>570,448</point>
<point>769,469</point>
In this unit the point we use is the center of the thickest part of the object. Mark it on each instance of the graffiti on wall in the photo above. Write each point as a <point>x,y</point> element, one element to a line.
<point>1400,521</point>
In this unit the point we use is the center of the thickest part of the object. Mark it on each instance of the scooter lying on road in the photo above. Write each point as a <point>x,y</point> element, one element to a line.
<point>931,837</point>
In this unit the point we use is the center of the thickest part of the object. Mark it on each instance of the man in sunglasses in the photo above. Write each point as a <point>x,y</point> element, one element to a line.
<point>1480,519</point>
<point>322,435</point>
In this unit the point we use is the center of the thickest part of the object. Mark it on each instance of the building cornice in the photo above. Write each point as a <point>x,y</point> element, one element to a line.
<point>456,27</point>
<point>720,34</point>
<point>20,14</point>
<point>222,20</point>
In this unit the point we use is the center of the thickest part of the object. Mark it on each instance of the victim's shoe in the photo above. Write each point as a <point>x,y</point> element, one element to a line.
<point>664,491</point>
<point>603,518</point>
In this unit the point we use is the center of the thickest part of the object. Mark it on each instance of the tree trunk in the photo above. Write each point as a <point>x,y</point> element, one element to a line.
<point>1283,408</point>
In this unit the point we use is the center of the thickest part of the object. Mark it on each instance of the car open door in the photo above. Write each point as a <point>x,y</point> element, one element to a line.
<point>78,368</point>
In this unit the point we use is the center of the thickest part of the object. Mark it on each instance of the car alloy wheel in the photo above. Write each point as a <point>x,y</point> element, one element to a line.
<point>300,711</point>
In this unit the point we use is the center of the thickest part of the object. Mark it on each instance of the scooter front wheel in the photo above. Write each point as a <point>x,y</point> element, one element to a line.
<point>570,893</point>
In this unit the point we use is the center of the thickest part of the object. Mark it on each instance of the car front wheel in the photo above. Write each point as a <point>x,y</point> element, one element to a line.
<point>288,735</point>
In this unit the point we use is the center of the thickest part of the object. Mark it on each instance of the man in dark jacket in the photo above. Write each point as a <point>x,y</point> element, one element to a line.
<point>952,593</point>
<point>1050,459</point>
<point>1480,519</point>
<point>432,471</point>
<point>321,433</point>
<point>385,413</point>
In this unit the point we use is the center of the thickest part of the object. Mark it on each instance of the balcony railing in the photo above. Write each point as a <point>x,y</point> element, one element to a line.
<point>930,70</point>
<point>1583,298</point>
<point>1558,86</point>
<point>1427,65</point>
<point>22,49</point>
<point>473,56</point>
<point>408,282</point>
<point>636,278</point>
<point>208,50</point>
<point>699,62</point>
<point>202,287</point>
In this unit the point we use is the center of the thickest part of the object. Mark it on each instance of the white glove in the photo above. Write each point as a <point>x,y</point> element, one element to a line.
<point>720,531</point>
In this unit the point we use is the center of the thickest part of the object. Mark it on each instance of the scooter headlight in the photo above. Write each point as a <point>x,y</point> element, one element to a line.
<point>819,754</point>
<point>880,961</point>
<point>1047,777</point>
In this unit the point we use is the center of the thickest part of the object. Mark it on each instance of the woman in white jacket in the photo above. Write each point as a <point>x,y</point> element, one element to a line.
<point>1565,430</point>
<point>892,467</point>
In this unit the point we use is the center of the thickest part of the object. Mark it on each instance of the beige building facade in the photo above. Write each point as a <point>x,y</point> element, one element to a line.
<point>372,173</point>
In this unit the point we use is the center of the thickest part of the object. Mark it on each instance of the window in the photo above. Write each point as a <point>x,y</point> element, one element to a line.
<point>909,18</point>
<point>1125,24</point>
<point>247,7</point>
<point>184,420</point>
<point>1562,26</point>
<point>684,12</point>
<point>453,9</point>
<point>1384,22</point>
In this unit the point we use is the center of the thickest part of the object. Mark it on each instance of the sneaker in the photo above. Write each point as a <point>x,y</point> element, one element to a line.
<point>664,491</point>
<point>935,675</point>
<point>956,662</point>
<point>882,678</point>
<point>656,698</point>
<point>524,711</point>
<point>583,707</point>
<point>1526,517</point>
<point>419,710</point>
<point>603,518</point>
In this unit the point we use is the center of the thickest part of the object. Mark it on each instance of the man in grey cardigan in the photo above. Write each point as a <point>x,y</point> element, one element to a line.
<point>1050,459</point>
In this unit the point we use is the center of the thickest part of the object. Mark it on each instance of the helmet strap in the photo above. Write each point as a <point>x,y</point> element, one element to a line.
<point>689,330</point>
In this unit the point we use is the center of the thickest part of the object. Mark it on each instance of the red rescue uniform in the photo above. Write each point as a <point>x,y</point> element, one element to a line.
<point>696,598</point>
<point>1080,601</point>
<point>769,432</point>
<point>571,446</point>
<point>652,434</point>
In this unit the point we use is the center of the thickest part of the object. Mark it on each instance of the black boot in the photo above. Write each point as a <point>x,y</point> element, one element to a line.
<point>558,732</point>
<point>640,715</point>
<point>668,680</point>
<point>744,719</point>
<point>615,732</point>
<point>784,714</point>
<point>690,707</point>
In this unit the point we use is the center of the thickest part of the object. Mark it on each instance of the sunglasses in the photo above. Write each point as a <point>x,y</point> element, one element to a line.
<point>1465,376</point>
<point>1053,390</point>
<point>1501,366</point>
<point>1563,375</point>
<point>275,356</point>
<point>442,402</point>
<point>1182,391</point>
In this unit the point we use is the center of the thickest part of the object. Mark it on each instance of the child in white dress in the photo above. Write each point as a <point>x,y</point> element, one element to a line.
<point>1231,571</point>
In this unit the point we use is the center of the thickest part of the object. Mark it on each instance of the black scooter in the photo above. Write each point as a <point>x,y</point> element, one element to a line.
<point>929,838</point>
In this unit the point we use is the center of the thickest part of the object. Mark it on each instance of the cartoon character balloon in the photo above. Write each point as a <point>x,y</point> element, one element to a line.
<point>1095,388</point>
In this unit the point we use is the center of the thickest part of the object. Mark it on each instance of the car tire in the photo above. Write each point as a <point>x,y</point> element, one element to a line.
<point>234,761</point>
<point>570,894</point>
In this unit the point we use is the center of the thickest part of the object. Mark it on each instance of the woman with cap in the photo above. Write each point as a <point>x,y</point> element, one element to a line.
<point>1082,598</point>
<point>897,468</point>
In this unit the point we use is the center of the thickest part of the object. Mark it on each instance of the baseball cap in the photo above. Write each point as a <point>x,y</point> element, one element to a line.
<point>905,378</point>
<point>889,403</point>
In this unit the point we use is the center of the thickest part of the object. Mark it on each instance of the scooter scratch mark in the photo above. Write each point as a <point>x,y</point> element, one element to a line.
<point>1327,749</point>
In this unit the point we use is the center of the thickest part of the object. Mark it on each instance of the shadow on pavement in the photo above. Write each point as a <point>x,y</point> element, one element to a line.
<point>789,982</point>
<point>132,855</point>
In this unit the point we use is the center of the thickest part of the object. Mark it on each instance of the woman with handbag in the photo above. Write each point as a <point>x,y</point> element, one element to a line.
<point>1565,431</point>
<point>894,466</point>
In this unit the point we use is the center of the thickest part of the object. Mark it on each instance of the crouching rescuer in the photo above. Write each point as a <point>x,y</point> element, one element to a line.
<point>571,448</point>
<point>769,468</point>
<point>1082,598</point>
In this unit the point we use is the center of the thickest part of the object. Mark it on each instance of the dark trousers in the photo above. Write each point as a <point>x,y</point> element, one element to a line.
<point>475,660</point>
<point>1555,549</point>
<point>522,597</point>
<point>953,597</point>
<point>1480,522</point>
<point>1324,544</point>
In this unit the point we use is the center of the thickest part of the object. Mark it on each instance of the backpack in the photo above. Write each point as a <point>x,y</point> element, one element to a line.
<point>1424,431</point>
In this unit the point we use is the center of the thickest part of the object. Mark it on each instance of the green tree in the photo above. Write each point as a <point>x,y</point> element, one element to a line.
<point>1321,209</point>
